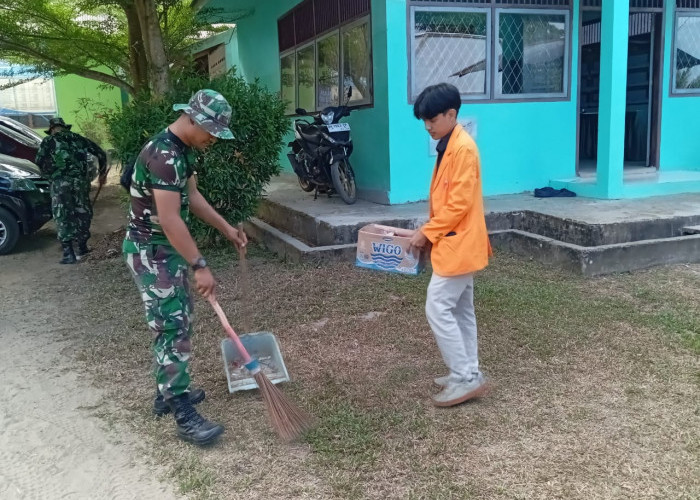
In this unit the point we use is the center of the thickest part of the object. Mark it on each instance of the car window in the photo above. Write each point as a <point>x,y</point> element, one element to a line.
<point>20,133</point>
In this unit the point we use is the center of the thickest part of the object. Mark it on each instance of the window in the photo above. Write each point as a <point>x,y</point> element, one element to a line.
<point>325,48</point>
<point>357,62</point>
<point>328,71</point>
<point>289,81</point>
<point>687,53</point>
<point>532,54</point>
<point>489,52</point>
<point>451,46</point>
<point>306,77</point>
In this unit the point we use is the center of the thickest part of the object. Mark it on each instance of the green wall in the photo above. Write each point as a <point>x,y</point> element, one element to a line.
<point>70,89</point>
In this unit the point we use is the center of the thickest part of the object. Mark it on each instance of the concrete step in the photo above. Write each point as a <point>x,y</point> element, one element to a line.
<point>293,249</point>
<point>342,224</point>
<point>691,230</point>
<point>336,229</point>
<point>602,259</point>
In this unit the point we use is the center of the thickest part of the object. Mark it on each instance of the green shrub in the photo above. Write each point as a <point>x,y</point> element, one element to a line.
<point>232,174</point>
<point>90,118</point>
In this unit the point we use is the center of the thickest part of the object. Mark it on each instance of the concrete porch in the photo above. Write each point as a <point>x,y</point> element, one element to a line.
<point>585,235</point>
<point>638,182</point>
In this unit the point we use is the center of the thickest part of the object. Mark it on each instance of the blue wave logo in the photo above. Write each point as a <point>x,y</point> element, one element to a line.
<point>386,261</point>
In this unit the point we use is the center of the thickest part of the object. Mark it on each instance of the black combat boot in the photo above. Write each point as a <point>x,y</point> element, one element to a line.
<point>191,426</point>
<point>160,407</point>
<point>83,250</point>
<point>68,254</point>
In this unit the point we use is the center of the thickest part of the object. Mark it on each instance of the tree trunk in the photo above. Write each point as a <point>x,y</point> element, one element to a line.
<point>153,42</point>
<point>138,62</point>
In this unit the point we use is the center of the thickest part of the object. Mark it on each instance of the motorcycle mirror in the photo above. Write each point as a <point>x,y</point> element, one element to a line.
<point>300,111</point>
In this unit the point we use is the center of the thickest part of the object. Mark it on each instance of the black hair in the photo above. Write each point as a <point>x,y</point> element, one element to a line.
<point>435,100</point>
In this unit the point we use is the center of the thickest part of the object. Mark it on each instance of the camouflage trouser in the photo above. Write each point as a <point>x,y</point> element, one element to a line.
<point>72,212</point>
<point>161,276</point>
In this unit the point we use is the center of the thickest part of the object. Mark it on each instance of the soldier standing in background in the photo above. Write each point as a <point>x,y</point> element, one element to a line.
<point>63,159</point>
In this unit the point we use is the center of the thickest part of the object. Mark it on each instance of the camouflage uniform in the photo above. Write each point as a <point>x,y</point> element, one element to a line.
<point>158,270</point>
<point>63,159</point>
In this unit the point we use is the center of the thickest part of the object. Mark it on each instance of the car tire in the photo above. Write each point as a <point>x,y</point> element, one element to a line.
<point>9,231</point>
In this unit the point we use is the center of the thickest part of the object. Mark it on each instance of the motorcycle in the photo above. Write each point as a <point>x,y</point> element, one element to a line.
<point>320,153</point>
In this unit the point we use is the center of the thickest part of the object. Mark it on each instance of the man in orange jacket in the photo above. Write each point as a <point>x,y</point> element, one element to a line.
<point>456,233</point>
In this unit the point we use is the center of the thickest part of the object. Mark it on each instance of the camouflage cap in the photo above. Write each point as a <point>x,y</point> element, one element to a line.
<point>209,110</point>
<point>57,122</point>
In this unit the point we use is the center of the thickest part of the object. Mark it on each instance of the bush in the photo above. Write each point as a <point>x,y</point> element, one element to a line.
<point>232,174</point>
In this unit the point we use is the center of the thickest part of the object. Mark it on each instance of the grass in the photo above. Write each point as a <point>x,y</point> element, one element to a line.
<point>596,384</point>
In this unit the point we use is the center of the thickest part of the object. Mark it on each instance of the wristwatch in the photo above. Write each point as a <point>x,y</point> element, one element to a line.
<point>200,263</point>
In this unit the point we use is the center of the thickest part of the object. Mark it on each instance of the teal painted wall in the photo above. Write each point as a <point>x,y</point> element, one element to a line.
<point>259,58</point>
<point>522,145</point>
<point>680,116</point>
<point>232,54</point>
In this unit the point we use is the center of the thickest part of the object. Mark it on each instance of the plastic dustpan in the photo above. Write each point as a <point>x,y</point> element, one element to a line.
<point>262,346</point>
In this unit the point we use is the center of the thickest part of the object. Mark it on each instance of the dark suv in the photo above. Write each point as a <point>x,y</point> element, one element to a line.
<point>25,200</point>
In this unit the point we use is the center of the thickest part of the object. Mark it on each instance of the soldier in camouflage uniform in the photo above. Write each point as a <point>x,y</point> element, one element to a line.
<point>63,159</point>
<point>159,250</point>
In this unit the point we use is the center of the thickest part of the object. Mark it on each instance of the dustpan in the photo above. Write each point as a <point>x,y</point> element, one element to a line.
<point>262,346</point>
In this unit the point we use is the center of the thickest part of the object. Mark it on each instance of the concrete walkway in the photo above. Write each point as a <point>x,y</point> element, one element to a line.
<point>285,191</point>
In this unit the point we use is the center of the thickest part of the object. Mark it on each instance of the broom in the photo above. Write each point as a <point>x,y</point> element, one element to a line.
<point>288,420</point>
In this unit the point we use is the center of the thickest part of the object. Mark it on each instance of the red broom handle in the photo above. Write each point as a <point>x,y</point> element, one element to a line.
<point>229,329</point>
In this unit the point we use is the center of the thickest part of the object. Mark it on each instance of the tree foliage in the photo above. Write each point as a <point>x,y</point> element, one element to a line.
<point>232,174</point>
<point>126,43</point>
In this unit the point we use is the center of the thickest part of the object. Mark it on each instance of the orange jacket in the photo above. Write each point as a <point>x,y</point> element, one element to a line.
<point>457,228</point>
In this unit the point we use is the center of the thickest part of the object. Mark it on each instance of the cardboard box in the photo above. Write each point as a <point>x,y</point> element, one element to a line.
<point>385,248</point>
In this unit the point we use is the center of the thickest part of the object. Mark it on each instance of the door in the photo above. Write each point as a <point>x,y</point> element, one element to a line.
<point>643,67</point>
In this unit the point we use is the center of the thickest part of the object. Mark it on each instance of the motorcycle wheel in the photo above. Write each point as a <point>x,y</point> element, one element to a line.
<point>306,185</point>
<point>344,181</point>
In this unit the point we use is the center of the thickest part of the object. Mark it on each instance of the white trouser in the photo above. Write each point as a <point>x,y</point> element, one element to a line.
<point>450,312</point>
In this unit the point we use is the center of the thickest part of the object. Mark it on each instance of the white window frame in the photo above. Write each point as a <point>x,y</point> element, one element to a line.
<point>489,67</point>
<point>343,29</point>
<point>287,53</point>
<point>566,75</point>
<point>312,43</point>
<point>674,56</point>
<point>335,32</point>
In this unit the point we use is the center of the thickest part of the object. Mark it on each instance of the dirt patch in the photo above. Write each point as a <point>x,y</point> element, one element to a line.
<point>107,246</point>
<point>595,397</point>
<point>58,438</point>
<point>596,380</point>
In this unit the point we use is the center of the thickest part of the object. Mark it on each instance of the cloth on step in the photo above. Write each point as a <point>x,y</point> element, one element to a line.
<point>549,192</point>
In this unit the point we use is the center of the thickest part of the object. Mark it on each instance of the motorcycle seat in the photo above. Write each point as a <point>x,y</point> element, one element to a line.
<point>310,133</point>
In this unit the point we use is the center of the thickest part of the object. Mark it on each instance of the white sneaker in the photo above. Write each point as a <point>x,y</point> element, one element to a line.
<point>459,392</point>
<point>442,381</point>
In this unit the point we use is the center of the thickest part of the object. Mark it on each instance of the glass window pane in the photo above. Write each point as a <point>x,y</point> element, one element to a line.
<point>289,82</point>
<point>328,71</point>
<point>357,60</point>
<point>306,78</point>
<point>450,47</point>
<point>531,50</point>
<point>687,52</point>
